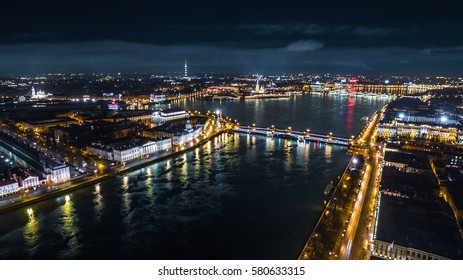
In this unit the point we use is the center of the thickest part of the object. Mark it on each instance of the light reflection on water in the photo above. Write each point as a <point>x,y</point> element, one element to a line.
<point>198,200</point>
<point>68,220</point>
<point>98,201</point>
<point>149,182</point>
<point>236,197</point>
<point>126,200</point>
<point>31,235</point>
<point>328,150</point>
<point>320,113</point>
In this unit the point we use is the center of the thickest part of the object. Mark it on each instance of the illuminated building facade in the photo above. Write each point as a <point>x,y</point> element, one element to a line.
<point>30,182</point>
<point>130,150</point>
<point>412,131</point>
<point>157,98</point>
<point>170,115</point>
<point>391,251</point>
<point>36,95</point>
<point>8,187</point>
<point>126,153</point>
<point>186,136</point>
<point>57,172</point>
<point>101,152</point>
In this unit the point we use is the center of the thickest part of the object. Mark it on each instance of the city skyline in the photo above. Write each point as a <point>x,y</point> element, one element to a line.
<point>206,148</point>
<point>243,37</point>
<point>208,130</point>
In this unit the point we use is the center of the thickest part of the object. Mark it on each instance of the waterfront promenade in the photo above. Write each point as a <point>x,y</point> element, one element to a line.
<point>342,229</point>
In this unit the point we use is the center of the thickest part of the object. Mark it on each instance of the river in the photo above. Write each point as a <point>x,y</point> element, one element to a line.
<point>235,197</point>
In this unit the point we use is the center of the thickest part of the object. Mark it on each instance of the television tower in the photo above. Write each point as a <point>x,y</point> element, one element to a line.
<point>186,69</point>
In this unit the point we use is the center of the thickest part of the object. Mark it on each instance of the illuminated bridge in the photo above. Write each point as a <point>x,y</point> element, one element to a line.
<point>300,136</point>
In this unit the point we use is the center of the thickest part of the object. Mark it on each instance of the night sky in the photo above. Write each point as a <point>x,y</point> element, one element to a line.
<point>374,37</point>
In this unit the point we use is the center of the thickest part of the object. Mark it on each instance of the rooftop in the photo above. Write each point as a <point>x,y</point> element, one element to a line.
<point>421,220</point>
<point>6,182</point>
<point>455,186</point>
<point>417,186</point>
<point>48,121</point>
<point>426,226</point>
<point>412,159</point>
<point>173,111</point>
<point>54,165</point>
<point>127,143</point>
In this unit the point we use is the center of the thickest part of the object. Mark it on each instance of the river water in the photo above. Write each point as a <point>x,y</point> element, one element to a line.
<point>235,197</point>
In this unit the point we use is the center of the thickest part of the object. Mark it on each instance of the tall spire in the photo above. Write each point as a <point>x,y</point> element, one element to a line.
<point>186,69</point>
<point>257,83</point>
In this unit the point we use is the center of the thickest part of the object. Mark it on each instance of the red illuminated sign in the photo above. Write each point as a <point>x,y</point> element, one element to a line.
<point>352,80</point>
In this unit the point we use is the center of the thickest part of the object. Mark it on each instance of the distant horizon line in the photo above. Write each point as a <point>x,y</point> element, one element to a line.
<point>180,74</point>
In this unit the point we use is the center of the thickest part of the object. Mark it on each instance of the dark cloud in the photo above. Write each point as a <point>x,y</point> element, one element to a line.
<point>306,56</point>
<point>35,36</point>
<point>266,28</point>
<point>313,29</point>
<point>368,31</point>
<point>260,35</point>
<point>316,29</point>
<point>304,45</point>
<point>144,35</point>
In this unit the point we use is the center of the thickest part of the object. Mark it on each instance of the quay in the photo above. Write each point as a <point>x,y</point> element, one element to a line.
<point>338,232</point>
<point>115,171</point>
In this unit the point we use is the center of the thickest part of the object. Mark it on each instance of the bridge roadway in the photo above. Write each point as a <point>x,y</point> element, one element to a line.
<point>292,134</point>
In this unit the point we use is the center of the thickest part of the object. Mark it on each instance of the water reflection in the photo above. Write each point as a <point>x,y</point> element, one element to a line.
<point>209,147</point>
<point>252,145</point>
<point>322,113</point>
<point>98,201</point>
<point>328,150</point>
<point>307,151</point>
<point>184,168</point>
<point>149,182</point>
<point>288,156</point>
<point>269,144</point>
<point>240,194</point>
<point>350,115</point>
<point>69,229</point>
<point>30,232</point>
<point>169,167</point>
<point>126,199</point>
<point>196,162</point>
